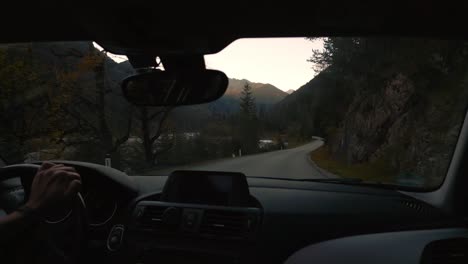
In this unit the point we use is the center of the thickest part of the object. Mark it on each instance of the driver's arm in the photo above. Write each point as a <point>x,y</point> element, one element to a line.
<point>53,184</point>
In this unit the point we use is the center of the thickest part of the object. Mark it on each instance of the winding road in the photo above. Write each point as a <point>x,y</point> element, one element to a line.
<point>289,163</point>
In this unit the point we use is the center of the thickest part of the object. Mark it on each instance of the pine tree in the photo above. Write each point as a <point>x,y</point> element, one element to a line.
<point>247,104</point>
<point>248,123</point>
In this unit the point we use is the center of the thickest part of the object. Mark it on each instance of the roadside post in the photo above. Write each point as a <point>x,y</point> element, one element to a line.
<point>107,161</point>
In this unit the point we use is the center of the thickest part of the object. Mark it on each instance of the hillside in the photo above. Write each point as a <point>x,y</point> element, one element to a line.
<point>313,108</point>
<point>378,109</point>
<point>192,117</point>
<point>264,93</point>
<point>57,101</point>
<point>265,96</point>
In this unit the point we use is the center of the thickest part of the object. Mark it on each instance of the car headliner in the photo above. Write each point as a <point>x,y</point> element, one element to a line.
<point>202,28</point>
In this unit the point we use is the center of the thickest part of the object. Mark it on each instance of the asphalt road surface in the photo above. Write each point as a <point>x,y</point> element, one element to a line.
<point>289,163</point>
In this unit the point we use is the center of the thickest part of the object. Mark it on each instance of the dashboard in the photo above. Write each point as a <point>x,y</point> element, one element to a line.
<point>296,218</point>
<point>447,245</point>
<point>233,219</point>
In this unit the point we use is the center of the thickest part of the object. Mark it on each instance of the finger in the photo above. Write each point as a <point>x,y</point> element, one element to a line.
<point>66,168</point>
<point>63,167</point>
<point>55,170</point>
<point>46,165</point>
<point>73,176</point>
<point>51,170</point>
<point>73,188</point>
<point>65,176</point>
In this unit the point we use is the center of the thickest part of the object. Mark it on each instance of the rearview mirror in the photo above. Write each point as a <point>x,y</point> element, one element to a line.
<point>161,88</point>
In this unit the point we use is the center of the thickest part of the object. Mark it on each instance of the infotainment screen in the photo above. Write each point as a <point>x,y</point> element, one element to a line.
<point>206,187</point>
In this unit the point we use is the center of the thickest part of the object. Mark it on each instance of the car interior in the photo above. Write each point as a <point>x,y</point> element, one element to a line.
<point>207,216</point>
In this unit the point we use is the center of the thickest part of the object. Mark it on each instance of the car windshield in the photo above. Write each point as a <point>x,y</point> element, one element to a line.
<point>382,110</point>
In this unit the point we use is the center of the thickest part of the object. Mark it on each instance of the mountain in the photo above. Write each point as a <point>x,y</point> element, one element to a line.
<point>313,108</point>
<point>64,99</point>
<point>193,116</point>
<point>290,91</point>
<point>186,117</point>
<point>264,93</point>
<point>381,111</point>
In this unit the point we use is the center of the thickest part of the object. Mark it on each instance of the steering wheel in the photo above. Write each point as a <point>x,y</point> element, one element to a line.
<point>63,235</point>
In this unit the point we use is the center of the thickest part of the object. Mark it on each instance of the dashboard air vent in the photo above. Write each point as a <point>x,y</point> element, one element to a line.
<point>416,206</point>
<point>228,224</point>
<point>453,251</point>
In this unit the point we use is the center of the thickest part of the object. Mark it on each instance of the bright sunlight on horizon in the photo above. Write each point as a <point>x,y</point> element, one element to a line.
<point>281,62</point>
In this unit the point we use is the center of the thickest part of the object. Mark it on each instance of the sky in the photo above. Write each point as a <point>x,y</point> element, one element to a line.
<point>281,62</point>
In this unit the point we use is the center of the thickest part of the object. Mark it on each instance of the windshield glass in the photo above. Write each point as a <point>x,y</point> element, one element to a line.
<point>385,110</point>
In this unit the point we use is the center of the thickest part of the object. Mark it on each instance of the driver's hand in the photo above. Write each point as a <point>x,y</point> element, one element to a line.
<point>53,184</point>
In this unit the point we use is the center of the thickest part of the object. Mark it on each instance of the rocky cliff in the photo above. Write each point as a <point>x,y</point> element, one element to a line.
<point>414,133</point>
<point>401,107</point>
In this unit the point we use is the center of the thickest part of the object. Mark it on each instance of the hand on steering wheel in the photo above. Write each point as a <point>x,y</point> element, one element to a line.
<point>53,186</point>
<point>50,190</point>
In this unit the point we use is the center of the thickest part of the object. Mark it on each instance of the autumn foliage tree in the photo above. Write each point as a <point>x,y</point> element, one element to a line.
<point>91,110</point>
<point>51,105</point>
<point>58,100</point>
<point>19,117</point>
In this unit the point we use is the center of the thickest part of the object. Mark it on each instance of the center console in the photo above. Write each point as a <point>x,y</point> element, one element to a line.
<point>200,217</point>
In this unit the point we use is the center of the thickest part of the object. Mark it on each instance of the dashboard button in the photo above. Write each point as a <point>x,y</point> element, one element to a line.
<point>114,241</point>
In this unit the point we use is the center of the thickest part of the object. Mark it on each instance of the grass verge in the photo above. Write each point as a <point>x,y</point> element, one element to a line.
<point>378,170</point>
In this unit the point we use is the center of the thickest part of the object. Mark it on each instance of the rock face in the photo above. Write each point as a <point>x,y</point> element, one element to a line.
<point>370,118</point>
<point>414,133</point>
<point>405,114</point>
